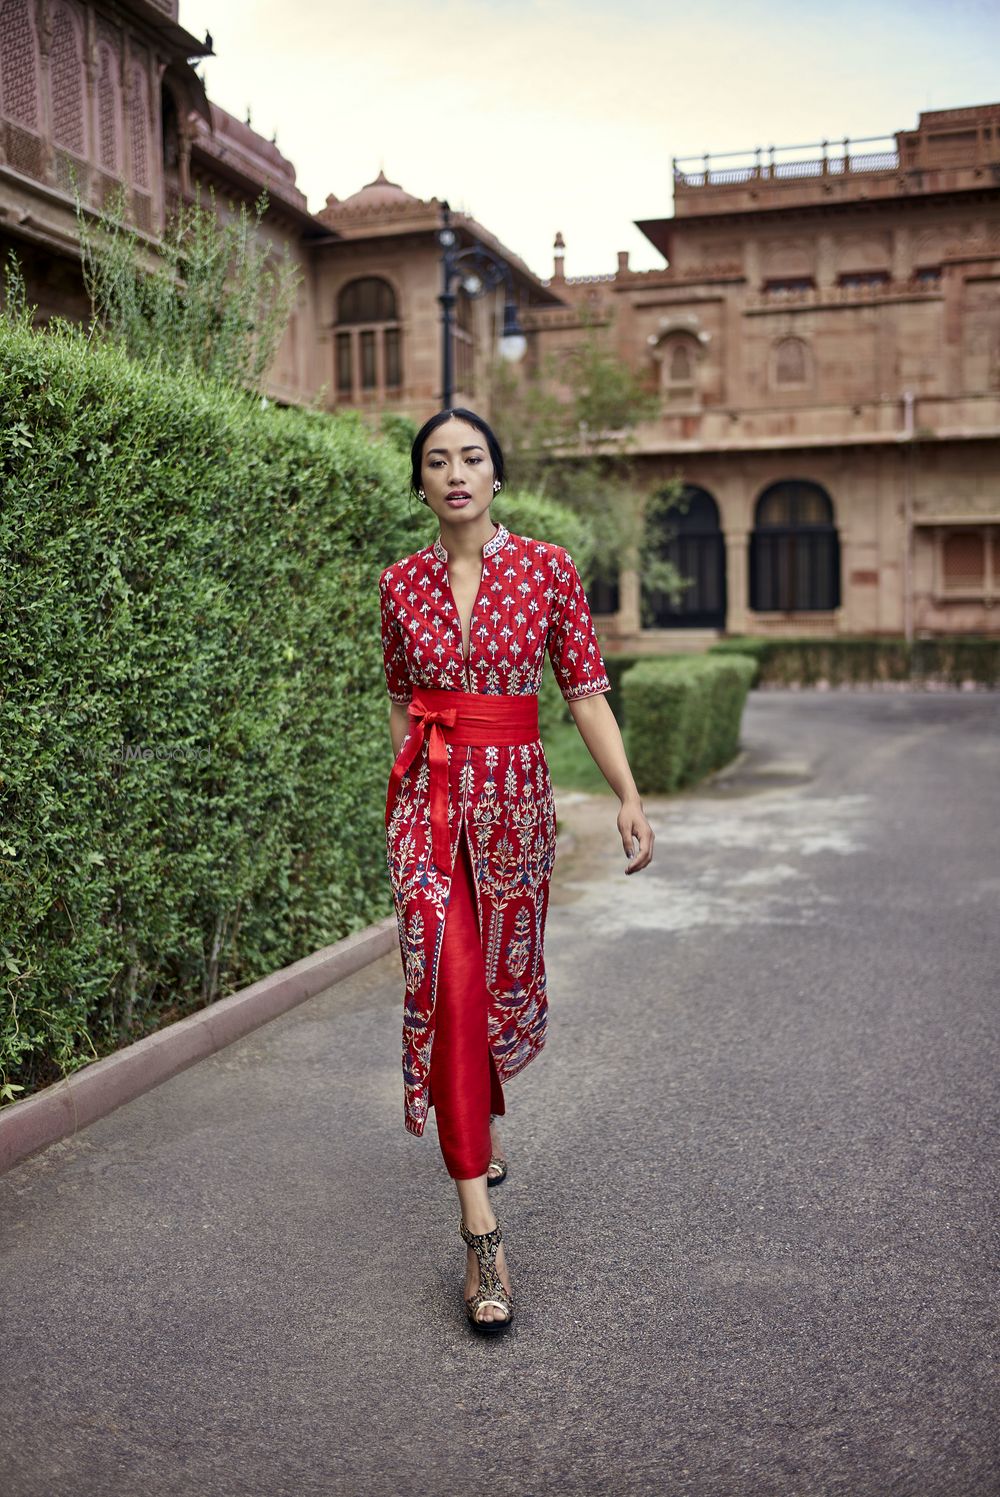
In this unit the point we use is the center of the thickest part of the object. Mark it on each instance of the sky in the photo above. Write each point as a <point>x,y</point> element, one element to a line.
<point>544,115</point>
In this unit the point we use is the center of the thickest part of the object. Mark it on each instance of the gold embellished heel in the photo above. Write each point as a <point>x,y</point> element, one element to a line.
<point>491,1290</point>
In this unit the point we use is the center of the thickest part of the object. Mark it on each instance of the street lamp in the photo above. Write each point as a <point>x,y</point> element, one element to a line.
<point>485,271</point>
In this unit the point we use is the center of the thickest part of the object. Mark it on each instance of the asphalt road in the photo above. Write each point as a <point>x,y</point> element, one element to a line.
<point>751,1210</point>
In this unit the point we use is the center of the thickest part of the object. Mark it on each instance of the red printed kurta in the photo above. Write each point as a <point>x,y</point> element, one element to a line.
<point>530,600</point>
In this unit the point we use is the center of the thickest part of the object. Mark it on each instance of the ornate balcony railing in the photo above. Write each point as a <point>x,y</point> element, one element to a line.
<point>782,163</point>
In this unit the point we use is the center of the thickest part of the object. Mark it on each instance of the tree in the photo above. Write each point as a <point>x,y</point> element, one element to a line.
<point>578,447</point>
<point>208,296</point>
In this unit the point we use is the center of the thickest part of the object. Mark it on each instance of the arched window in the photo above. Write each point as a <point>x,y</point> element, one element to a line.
<point>791,362</point>
<point>367,341</point>
<point>679,364</point>
<point>369,299</point>
<point>794,550</point>
<point>688,536</point>
<point>66,68</point>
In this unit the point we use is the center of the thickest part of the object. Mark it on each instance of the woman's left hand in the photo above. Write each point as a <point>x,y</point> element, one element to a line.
<point>632,824</point>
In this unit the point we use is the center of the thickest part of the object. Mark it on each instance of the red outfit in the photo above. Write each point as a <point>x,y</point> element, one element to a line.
<point>463,1086</point>
<point>483,771</point>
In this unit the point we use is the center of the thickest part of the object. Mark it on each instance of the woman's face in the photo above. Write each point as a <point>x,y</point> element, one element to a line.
<point>457,460</point>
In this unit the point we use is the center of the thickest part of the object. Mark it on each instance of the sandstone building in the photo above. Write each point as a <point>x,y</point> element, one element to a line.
<point>826,342</point>
<point>824,336</point>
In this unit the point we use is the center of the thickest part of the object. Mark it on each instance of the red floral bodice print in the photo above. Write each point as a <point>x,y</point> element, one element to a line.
<point>530,601</point>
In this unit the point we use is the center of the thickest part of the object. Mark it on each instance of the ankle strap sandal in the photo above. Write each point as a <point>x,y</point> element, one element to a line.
<point>491,1290</point>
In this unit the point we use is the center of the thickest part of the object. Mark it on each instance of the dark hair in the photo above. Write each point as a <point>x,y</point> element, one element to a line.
<point>460,414</point>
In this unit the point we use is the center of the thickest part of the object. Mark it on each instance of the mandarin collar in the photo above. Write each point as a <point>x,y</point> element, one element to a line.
<point>492,545</point>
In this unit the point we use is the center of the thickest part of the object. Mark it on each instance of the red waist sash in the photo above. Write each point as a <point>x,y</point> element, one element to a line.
<point>460,718</point>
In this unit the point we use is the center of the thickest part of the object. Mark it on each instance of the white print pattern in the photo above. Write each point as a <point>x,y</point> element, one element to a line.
<point>530,600</point>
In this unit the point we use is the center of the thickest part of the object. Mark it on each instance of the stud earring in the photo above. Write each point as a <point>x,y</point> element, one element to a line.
<point>496,485</point>
<point>421,495</point>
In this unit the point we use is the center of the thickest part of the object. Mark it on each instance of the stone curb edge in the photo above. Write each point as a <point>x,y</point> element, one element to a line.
<point>65,1107</point>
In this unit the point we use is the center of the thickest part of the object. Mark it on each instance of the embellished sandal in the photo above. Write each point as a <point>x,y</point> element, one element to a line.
<point>491,1290</point>
<point>495,1163</point>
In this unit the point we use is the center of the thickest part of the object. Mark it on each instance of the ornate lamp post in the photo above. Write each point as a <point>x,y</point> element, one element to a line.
<point>485,271</point>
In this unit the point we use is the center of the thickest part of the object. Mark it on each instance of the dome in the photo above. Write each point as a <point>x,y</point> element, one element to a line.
<point>379,194</point>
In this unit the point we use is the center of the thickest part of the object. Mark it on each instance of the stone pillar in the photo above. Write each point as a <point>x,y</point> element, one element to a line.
<point>737,582</point>
<point>628,597</point>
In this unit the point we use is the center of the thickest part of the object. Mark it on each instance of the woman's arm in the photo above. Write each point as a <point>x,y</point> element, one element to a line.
<point>399,725</point>
<point>600,732</point>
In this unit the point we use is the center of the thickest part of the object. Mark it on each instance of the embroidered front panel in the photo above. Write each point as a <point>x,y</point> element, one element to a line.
<point>530,601</point>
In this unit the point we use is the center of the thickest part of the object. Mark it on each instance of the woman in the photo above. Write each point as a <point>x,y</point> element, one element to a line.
<point>470,816</point>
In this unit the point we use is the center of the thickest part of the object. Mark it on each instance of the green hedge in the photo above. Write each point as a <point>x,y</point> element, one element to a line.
<point>860,659</point>
<point>617,665</point>
<point>193,746</point>
<point>682,717</point>
<point>194,740</point>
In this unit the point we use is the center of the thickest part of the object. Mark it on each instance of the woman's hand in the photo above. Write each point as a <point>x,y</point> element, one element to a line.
<point>632,824</point>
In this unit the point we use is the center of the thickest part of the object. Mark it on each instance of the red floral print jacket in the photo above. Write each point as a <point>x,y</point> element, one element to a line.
<point>530,601</point>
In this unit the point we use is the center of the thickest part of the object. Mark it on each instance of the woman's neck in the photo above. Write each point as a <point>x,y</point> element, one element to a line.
<point>464,543</point>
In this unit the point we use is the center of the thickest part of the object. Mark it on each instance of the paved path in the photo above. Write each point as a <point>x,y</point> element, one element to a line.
<point>751,1208</point>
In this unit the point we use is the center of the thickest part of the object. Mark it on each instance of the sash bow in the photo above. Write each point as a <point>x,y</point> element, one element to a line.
<point>435,720</point>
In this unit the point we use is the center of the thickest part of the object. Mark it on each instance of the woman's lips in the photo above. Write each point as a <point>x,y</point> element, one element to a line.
<point>459,500</point>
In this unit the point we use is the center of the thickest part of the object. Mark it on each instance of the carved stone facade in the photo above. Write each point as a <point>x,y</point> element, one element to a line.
<point>825,343</point>
<point>823,340</point>
<point>102,93</point>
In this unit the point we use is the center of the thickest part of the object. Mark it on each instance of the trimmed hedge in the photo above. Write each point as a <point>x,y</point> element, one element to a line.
<point>860,659</point>
<point>194,743</point>
<point>616,666</point>
<point>682,717</point>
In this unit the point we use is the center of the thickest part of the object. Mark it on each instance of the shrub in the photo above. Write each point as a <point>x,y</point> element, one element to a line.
<point>858,659</point>
<point>682,717</point>
<point>192,722</point>
<point>194,748</point>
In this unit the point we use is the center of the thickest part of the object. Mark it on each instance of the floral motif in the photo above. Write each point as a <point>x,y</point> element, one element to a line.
<point>530,601</point>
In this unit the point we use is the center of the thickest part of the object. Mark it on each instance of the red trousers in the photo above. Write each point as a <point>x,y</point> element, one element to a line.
<point>464,1087</point>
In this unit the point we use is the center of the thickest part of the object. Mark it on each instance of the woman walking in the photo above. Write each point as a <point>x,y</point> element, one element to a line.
<point>470,815</point>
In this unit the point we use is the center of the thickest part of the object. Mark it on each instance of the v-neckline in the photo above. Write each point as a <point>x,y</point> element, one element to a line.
<point>495,542</point>
<point>466,658</point>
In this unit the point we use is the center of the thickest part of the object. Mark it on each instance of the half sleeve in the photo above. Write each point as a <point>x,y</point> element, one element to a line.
<point>397,677</point>
<point>572,639</point>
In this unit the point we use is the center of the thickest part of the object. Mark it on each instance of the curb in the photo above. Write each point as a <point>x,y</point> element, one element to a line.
<point>67,1106</point>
